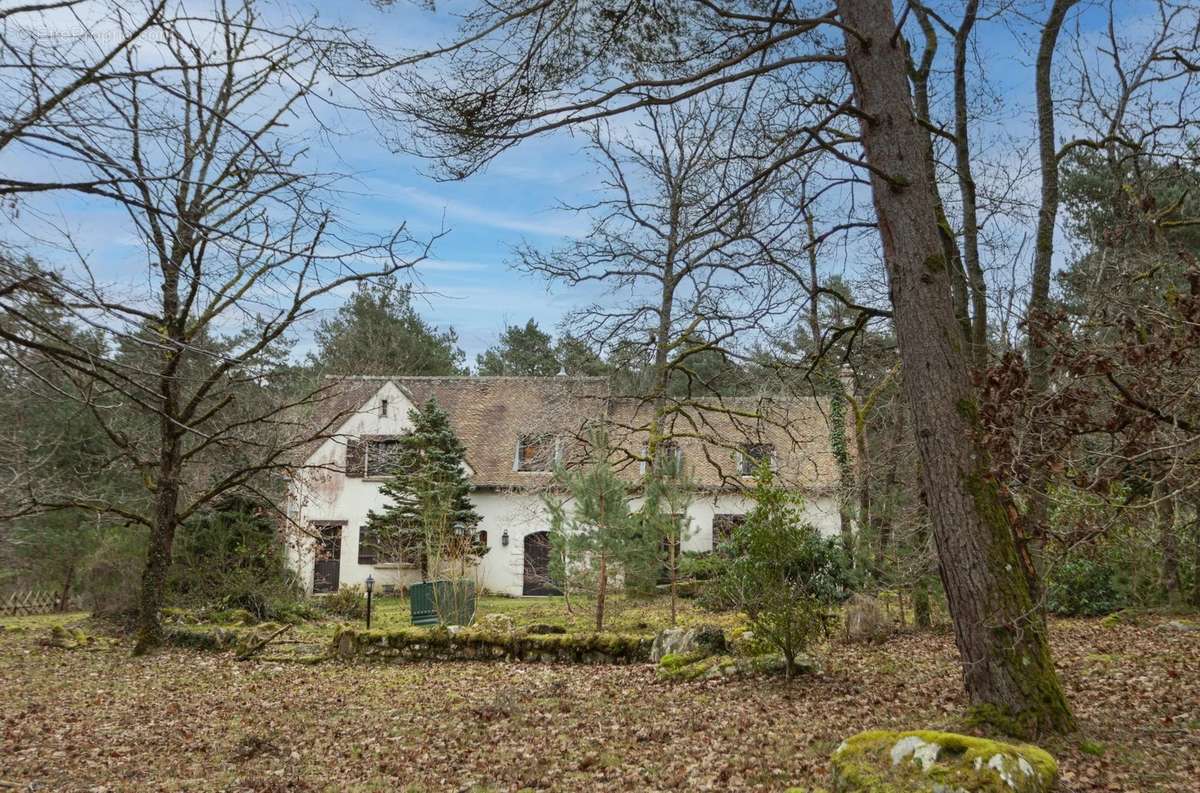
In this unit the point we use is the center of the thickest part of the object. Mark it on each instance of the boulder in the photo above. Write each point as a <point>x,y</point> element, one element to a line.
<point>1182,626</point>
<point>700,641</point>
<point>866,621</point>
<point>544,629</point>
<point>939,762</point>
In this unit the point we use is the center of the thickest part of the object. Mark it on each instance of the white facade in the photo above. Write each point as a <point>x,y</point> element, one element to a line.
<point>328,496</point>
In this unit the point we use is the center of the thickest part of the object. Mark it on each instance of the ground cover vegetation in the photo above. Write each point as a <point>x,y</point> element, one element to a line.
<point>1014,423</point>
<point>182,720</point>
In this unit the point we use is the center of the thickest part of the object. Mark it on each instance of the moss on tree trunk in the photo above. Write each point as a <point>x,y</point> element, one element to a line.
<point>1002,642</point>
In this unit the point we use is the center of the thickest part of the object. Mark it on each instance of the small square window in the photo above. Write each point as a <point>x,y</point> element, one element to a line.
<point>753,455</point>
<point>536,452</point>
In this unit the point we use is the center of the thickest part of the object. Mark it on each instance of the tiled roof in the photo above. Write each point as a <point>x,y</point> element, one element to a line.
<point>489,414</point>
<point>712,432</point>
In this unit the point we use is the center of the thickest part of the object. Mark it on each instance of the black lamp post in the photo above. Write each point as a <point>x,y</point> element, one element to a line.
<point>370,582</point>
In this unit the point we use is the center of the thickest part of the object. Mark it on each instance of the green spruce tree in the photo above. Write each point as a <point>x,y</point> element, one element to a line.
<point>430,519</point>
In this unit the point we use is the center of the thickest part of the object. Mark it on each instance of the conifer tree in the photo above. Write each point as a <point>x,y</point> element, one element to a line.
<point>592,530</point>
<point>430,518</point>
<point>654,554</point>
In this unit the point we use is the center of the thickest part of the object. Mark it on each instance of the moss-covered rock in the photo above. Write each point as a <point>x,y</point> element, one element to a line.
<point>67,638</point>
<point>702,639</point>
<point>924,761</point>
<point>699,666</point>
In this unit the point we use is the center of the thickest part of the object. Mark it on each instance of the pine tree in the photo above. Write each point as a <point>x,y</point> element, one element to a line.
<point>378,331</point>
<point>521,351</point>
<point>430,519</point>
<point>592,531</point>
<point>664,526</point>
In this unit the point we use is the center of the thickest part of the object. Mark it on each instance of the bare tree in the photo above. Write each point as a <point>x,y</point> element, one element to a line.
<point>41,74</point>
<point>539,66</point>
<point>191,388</point>
<point>689,238</point>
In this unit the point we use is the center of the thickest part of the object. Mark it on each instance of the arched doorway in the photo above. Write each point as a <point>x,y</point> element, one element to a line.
<point>537,565</point>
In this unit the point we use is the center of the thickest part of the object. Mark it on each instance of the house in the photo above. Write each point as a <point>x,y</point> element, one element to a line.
<point>515,429</point>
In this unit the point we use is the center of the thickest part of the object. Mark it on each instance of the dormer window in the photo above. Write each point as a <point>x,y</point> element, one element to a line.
<point>536,452</point>
<point>753,455</point>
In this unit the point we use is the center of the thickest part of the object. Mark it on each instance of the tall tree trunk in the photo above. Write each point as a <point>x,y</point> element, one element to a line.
<point>863,460</point>
<point>966,187</point>
<point>1037,510</point>
<point>64,599</point>
<point>1164,512</point>
<point>170,459</point>
<point>838,398</point>
<point>919,73</point>
<point>1043,251</point>
<point>1005,655</point>
<point>601,591</point>
<point>158,560</point>
<point>884,519</point>
<point>837,433</point>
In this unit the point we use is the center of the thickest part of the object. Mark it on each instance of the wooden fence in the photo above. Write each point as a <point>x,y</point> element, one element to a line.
<point>30,602</point>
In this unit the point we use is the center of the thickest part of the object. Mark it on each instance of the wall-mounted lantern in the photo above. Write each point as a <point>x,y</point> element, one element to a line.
<point>504,538</point>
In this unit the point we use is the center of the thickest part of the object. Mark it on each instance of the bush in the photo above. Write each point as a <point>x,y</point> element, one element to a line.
<point>349,602</point>
<point>1081,587</point>
<point>783,574</point>
<point>231,558</point>
<point>696,566</point>
<point>113,577</point>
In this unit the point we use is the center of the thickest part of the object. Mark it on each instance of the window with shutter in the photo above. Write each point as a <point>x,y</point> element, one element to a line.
<point>668,459</point>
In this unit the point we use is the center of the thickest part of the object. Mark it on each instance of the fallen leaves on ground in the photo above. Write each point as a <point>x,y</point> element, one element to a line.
<point>179,720</point>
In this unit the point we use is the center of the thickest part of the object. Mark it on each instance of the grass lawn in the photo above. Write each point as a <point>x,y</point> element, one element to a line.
<point>622,615</point>
<point>92,720</point>
<point>634,616</point>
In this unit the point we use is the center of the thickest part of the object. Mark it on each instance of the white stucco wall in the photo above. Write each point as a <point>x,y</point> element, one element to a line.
<point>330,496</point>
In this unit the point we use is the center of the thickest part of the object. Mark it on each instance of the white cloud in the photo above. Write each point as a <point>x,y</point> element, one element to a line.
<point>549,224</point>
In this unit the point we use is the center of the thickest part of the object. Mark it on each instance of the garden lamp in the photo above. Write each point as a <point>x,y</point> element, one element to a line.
<point>370,582</point>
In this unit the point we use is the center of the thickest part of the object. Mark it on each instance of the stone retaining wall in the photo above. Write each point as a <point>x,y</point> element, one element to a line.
<point>473,644</point>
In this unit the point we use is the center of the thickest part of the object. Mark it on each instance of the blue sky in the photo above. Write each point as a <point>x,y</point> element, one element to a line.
<point>466,283</point>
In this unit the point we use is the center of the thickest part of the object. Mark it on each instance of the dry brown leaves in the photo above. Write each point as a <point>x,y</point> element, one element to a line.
<point>102,721</point>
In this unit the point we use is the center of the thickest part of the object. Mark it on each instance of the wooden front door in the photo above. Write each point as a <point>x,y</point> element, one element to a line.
<point>328,563</point>
<point>537,565</point>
